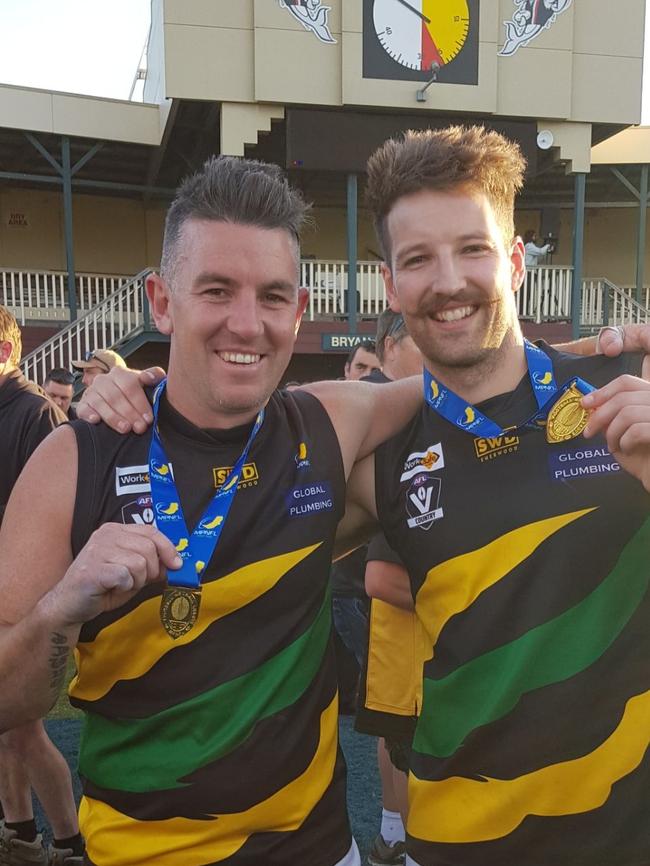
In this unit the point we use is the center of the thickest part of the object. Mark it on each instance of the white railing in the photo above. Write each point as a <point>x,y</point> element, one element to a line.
<point>43,295</point>
<point>546,294</point>
<point>645,294</point>
<point>605,303</point>
<point>106,324</point>
<point>327,281</point>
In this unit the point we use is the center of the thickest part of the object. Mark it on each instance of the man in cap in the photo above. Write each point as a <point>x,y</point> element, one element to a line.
<point>96,363</point>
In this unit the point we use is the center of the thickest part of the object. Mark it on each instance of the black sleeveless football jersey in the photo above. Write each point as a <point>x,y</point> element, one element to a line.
<point>219,746</point>
<point>529,567</point>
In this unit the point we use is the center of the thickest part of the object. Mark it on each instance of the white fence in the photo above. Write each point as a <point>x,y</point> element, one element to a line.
<point>104,325</point>
<point>546,294</point>
<point>43,295</point>
<point>605,303</point>
<point>111,307</point>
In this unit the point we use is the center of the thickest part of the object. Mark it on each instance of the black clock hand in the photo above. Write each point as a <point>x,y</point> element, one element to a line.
<point>417,12</point>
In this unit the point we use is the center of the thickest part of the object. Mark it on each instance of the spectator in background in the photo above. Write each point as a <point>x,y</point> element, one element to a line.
<point>534,252</point>
<point>97,362</point>
<point>59,387</point>
<point>28,758</point>
<point>361,361</point>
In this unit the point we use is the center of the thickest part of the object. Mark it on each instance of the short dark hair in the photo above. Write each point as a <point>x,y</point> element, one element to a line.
<point>389,324</point>
<point>10,332</point>
<point>229,189</point>
<point>368,345</point>
<point>455,157</point>
<point>61,376</point>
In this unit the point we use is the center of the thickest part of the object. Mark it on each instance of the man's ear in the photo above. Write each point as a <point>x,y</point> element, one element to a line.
<point>303,299</point>
<point>159,294</point>
<point>391,293</point>
<point>6,348</point>
<point>517,264</point>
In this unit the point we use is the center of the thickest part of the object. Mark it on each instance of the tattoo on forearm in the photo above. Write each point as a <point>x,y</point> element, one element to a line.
<point>58,660</point>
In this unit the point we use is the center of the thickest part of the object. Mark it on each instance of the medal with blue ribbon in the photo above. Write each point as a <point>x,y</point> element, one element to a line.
<point>179,608</point>
<point>558,408</point>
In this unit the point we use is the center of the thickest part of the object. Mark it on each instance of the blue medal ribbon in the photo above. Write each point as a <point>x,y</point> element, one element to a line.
<point>196,549</point>
<point>466,417</point>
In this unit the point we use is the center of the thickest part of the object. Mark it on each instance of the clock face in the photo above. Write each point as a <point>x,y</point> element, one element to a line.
<point>403,38</point>
<point>421,32</point>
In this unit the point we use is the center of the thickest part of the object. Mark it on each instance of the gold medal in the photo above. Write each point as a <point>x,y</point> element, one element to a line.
<point>179,609</point>
<point>567,419</point>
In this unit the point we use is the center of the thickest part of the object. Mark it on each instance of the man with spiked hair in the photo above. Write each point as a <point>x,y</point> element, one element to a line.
<point>190,566</point>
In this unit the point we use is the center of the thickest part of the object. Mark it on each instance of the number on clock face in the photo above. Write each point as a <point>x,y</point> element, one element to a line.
<point>417,33</point>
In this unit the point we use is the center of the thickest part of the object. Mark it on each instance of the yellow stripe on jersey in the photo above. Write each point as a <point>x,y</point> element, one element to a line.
<point>115,839</point>
<point>454,585</point>
<point>477,810</point>
<point>119,653</point>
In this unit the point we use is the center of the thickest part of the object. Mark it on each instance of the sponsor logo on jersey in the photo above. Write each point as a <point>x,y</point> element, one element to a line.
<point>423,502</point>
<point>569,464</point>
<point>423,461</point>
<point>302,460</point>
<point>487,448</point>
<point>248,478</point>
<point>309,499</point>
<point>132,479</point>
<point>138,511</point>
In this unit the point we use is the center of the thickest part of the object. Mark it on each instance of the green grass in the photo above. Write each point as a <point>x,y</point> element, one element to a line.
<point>63,709</point>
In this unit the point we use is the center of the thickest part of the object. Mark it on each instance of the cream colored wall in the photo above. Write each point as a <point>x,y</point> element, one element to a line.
<point>610,242</point>
<point>586,67</point>
<point>111,235</point>
<point>122,236</point>
<point>327,239</point>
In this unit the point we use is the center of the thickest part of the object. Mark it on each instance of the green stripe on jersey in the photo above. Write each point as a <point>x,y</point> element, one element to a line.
<point>488,687</point>
<point>140,755</point>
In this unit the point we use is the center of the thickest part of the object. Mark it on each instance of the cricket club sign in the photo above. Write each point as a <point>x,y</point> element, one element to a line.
<point>312,15</point>
<point>528,21</point>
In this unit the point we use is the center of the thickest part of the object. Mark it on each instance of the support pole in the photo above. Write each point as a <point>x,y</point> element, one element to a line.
<point>578,247</point>
<point>352,253</point>
<point>640,245</point>
<point>67,219</point>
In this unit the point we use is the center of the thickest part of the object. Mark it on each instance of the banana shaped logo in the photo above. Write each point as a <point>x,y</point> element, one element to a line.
<point>182,545</point>
<point>546,379</point>
<point>435,390</point>
<point>470,415</point>
<point>199,566</point>
<point>163,469</point>
<point>171,509</point>
<point>213,523</point>
<point>302,451</point>
<point>230,484</point>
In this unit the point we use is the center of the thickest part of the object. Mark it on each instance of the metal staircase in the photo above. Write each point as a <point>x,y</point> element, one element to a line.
<point>604,303</point>
<point>121,322</point>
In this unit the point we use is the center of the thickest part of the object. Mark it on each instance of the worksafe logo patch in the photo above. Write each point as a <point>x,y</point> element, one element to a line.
<point>132,479</point>
<point>248,478</point>
<point>423,461</point>
<point>487,448</point>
